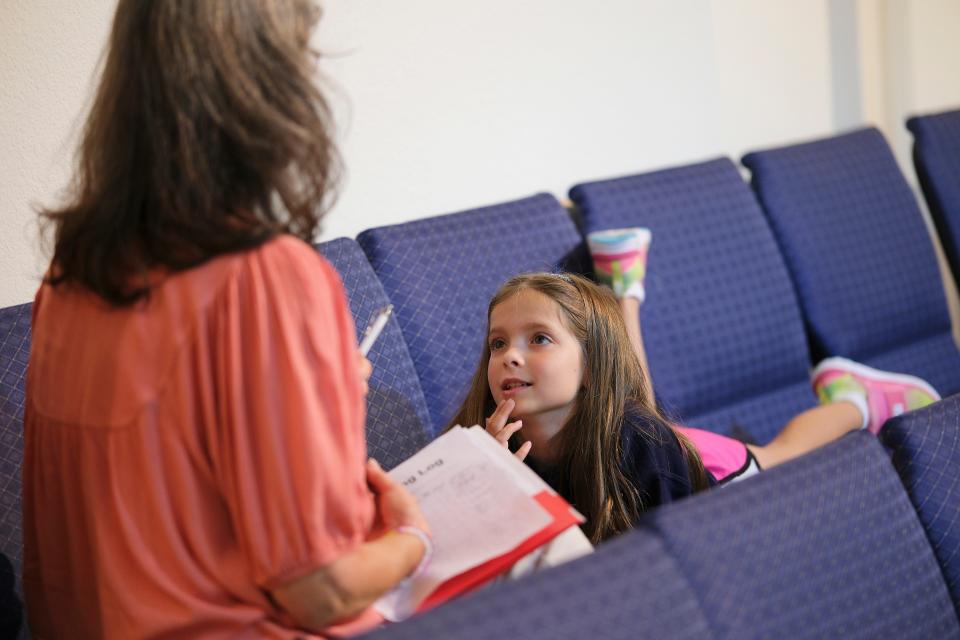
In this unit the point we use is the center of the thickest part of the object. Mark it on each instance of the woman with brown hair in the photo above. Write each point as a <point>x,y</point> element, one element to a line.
<point>194,447</point>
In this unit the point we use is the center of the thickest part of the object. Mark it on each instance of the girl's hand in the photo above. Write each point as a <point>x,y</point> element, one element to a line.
<point>366,370</point>
<point>497,427</point>
<point>396,507</point>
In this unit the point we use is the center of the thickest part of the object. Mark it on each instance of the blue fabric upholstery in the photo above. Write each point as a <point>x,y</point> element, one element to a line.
<point>628,588</point>
<point>440,273</point>
<point>14,355</point>
<point>397,418</point>
<point>936,156</point>
<point>860,254</point>
<point>926,453</point>
<point>827,546</point>
<point>721,323</point>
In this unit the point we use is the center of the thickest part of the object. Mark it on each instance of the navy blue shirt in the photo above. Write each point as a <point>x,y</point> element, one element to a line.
<point>653,460</point>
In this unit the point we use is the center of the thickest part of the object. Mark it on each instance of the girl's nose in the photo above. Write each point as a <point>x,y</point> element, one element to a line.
<point>513,357</point>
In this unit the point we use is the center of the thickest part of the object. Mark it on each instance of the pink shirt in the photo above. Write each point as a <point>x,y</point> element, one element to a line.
<point>185,454</point>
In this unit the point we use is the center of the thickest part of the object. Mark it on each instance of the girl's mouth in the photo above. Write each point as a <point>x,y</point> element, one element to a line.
<point>513,386</point>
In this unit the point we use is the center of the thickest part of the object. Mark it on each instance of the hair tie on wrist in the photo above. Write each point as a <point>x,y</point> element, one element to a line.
<point>427,547</point>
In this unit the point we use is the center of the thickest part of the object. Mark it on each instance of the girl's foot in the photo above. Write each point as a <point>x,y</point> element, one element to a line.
<point>620,259</point>
<point>878,394</point>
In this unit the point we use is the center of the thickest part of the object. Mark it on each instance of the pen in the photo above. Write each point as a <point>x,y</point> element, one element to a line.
<point>372,332</point>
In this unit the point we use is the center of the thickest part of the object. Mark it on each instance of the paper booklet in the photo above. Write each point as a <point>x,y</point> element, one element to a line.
<point>486,510</point>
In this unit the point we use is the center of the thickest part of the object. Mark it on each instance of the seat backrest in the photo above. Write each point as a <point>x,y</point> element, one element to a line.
<point>441,272</point>
<point>926,454</point>
<point>860,254</point>
<point>936,156</point>
<point>14,355</point>
<point>626,589</point>
<point>826,546</point>
<point>721,324</point>
<point>397,418</point>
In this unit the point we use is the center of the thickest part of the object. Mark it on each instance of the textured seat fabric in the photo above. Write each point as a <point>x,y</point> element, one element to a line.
<point>397,418</point>
<point>14,355</point>
<point>441,272</point>
<point>628,588</point>
<point>826,546</point>
<point>936,156</point>
<point>860,255</point>
<point>926,454</point>
<point>721,324</point>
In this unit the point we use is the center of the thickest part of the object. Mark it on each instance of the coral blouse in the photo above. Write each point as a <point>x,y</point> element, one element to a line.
<point>185,455</point>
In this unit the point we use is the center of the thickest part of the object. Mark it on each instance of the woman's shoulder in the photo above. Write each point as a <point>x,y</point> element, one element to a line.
<point>291,255</point>
<point>285,267</point>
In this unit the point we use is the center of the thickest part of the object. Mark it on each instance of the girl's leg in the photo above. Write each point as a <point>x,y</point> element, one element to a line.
<point>620,262</point>
<point>856,397</point>
<point>630,309</point>
<point>808,431</point>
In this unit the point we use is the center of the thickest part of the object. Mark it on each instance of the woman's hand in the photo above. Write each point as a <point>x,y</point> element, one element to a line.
<point>366,370</point>
<point>497,427</point>
<point>396,507</point>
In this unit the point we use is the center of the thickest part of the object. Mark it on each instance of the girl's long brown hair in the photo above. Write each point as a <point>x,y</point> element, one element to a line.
<point>207,135</point>
<point>590,447</point>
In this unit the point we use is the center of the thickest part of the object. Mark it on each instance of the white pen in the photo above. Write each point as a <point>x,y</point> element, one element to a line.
<point>372,332</point>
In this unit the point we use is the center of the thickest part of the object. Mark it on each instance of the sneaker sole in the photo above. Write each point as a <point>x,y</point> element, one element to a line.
<point>873,374</point>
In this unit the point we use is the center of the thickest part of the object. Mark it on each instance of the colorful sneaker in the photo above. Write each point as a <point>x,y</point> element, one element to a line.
<point>887,394</point>
<point>620,259</point>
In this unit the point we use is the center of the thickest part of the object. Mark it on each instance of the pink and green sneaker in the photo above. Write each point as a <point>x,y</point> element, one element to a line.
<point>882,393</point>
<point>620,259</point>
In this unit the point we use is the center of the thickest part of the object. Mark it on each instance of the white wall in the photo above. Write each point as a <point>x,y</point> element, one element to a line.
<point>48,51</point>
<point>449,105</point>
<point>456,104</point>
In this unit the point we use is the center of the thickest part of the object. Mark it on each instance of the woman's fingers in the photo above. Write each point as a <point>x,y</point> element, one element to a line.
<point>366,369</point>
<point>377,479</point>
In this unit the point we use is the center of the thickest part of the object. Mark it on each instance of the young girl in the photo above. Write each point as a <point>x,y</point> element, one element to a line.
<point>561,381</point>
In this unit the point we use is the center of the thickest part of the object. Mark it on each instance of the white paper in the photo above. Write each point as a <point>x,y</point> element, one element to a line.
<point>478,503</point>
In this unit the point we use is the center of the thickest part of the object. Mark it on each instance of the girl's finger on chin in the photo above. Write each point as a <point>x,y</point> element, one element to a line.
<point>523,450</point>
<point>499,413</point>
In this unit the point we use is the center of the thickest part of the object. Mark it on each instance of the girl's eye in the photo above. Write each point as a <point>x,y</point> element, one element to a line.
<point>541,339</point>
<point>496,343</point>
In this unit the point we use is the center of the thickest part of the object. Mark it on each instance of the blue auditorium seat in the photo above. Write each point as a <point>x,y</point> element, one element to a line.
<point>936,156</point>
<point>860,254</point>
<point>721,324</point>
<point>926,453</point>
<point>440,273</point>
<point>825,546</point>
<point>14,354</point>
<point>397,418</point>
<point>629,588</point>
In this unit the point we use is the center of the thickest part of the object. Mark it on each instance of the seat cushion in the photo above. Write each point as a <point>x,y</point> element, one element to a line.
<point>721,323</point>
<point>441,272</point>
<point>936,156</point>
<point>825,546</point>
<point>397,420</point>
<point>926,454</point>
<point>859,252</point>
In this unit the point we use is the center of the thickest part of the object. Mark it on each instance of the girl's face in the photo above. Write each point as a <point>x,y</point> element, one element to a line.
<point>534,358</point>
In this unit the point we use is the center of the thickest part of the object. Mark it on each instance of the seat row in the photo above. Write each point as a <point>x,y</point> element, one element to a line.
<point>745,292</point>
<point>827,255</point>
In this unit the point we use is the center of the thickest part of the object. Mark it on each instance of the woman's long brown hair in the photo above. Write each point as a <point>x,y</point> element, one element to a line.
<point>207,135</point>
<point>591,447</point>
